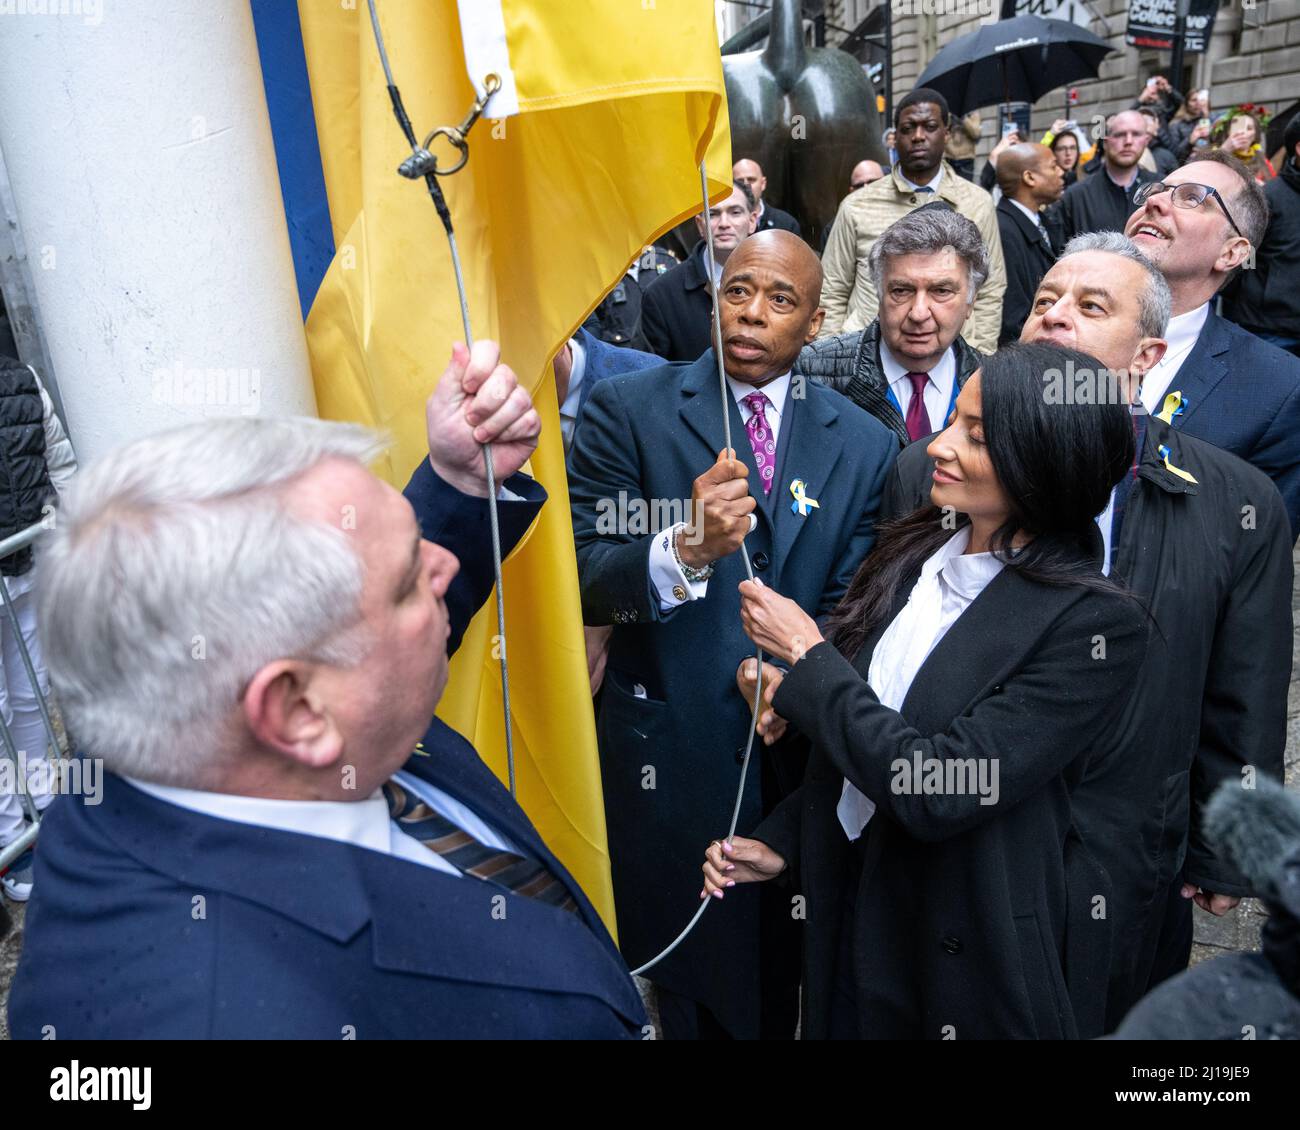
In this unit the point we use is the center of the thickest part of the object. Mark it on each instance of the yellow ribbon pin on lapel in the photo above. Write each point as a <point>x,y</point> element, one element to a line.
<point>1172,407</point>
<point>801,501</point>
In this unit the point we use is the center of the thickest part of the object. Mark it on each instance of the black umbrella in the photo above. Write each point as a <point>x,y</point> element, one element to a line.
<point>1016,60</point>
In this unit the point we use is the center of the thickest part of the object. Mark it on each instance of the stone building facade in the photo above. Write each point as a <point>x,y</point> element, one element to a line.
<point>1253,54</point>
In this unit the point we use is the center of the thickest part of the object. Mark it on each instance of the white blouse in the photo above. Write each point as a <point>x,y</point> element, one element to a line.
<point>950,580</point>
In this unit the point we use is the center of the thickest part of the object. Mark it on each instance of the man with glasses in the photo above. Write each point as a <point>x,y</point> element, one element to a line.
<point>1104,200</point>
<point>1199,227</point>
<point>921,177</point>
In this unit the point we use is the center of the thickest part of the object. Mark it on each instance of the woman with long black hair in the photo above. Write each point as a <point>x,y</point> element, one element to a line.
<point>977,659</point>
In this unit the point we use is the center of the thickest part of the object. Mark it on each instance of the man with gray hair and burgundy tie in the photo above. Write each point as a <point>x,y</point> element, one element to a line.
<point>660,510</point>
<point>907,367</point>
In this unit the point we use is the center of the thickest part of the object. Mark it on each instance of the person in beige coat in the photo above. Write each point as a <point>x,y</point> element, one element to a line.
<point>920,177</point>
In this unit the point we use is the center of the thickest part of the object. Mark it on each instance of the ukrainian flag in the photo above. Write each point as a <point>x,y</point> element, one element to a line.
<point>589,151</point>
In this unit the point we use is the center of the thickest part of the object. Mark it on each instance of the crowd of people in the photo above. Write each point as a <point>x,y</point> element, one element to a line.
<point>1008,514</point>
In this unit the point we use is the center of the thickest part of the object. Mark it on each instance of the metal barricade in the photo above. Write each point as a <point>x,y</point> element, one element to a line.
<point>10,852</point>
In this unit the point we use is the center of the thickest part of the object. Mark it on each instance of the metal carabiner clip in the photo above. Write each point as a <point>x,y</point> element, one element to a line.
<point>423,161</point>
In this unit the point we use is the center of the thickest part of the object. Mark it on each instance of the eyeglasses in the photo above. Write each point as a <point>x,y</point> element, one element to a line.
<point>1185,195</point>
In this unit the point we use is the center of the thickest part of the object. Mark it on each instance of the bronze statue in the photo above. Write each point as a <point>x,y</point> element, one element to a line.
<point>807,115</point>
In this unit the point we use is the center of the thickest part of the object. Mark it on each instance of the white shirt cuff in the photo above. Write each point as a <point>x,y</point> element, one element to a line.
<point>666,577</point>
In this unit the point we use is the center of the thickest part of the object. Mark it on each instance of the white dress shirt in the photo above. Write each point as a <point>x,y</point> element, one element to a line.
<point>666,578</point>
<point>933,185</point>
<point>1181,335</point>
<point>938,389</point>
<point>950,580</point>
<point>1106,522</point>
<point>361,823</point>
<point>573,398</point>
<point>1034,217</point>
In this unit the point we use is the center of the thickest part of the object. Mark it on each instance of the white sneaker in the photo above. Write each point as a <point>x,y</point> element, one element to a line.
<point>17,884</point>
<point>17,880</point>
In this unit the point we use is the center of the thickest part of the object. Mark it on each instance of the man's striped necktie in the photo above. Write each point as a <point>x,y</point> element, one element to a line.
<point>507,869</point>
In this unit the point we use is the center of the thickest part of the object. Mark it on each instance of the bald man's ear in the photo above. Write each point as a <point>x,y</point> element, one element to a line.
<point>815,325</point>
<point>284,710</point>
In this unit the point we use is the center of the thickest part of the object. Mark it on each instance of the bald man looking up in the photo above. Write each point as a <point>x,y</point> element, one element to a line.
<point>660,511</point>
<point>1030,180</point>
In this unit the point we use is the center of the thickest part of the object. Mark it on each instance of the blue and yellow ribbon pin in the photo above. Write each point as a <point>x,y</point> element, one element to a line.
<point>1173,407</point>
<point>801,502</point>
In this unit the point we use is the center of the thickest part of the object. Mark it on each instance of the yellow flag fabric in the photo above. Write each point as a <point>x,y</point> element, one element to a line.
<point>617,105</point>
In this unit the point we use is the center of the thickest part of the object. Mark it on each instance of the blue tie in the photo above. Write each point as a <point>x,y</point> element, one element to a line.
<point>507,869</point>
<point>1125,486</point>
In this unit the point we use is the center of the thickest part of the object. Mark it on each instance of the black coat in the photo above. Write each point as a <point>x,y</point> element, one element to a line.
<point>1029,256</point>
<point>617,320</point>
<point>1180,138</point>
<point>968,919</point>
<point>775,218</point>
<point>671,723</point>
<point>1163,156</point>
<point>1241,996</point>
<point>677,309</point>
<point>1097,203</point>
<point>1212,561</point>
<point>1267,299</point>
<point>850,364</point>
<point>25,485</point>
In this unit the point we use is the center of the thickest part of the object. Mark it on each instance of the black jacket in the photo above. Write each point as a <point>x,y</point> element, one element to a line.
<point>1097,203</point>
<point>850,364</point>
<point>1180,138</point>
<point>1212,561</point>
<point>1162,154</point>
<point>677,310</point>
<point>1267,298</point>
<point>25,485</point>
<point>1029,256</point>
<point>969,919</point>
<point>617,320</point>
<point>1253,996</point>
<point>775,218</point>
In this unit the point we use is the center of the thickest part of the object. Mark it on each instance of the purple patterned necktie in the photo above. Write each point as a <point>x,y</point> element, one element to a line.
<point>918,419</point>
<point>761,439</point>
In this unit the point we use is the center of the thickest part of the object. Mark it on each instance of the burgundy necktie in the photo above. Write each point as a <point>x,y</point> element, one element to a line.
<point>918,419</point>
<point>760,439</point>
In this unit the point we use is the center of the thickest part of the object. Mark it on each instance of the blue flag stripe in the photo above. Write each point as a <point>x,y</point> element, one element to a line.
<point>297,148</point>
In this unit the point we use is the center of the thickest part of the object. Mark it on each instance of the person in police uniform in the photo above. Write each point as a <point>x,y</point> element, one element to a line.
<point>617,320</point>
